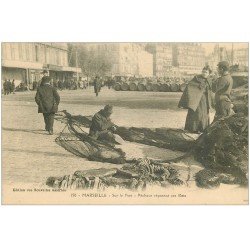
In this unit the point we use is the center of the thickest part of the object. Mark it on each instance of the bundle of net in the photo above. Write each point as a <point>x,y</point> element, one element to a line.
<point>139,175</point>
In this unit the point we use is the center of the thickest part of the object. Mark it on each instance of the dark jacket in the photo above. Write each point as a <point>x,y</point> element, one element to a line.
<point>47,99</point>
<point>100,123</point>
<point>223,88</point>
<point>97,85</point>
<point>194,91</point>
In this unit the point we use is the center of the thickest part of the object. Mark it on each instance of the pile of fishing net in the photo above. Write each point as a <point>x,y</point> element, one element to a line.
<point>223,151</point>
<point>240,99</point>
<point>76,141</point>
<point>223,147</point>
<point>138,175</point>
<point>74,138</point>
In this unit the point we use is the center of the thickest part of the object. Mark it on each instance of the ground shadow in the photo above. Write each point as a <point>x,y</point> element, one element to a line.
<point>33,131</point>
<point>161,153</point>
<point>38,152</point>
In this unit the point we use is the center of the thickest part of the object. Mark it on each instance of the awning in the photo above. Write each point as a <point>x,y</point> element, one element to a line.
<point>21,64</point>
<point>53,67</point>
<point>72,69</point>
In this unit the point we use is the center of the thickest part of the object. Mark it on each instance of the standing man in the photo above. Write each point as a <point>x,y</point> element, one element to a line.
<point>13,86</point>
<point>97,85</point>
<point>5,87</point>
<point>222,89</point>
<point>8,87</point>
<point>47,100</point>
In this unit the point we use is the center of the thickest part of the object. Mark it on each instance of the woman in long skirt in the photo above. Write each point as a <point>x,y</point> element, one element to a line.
<point>198,100</point>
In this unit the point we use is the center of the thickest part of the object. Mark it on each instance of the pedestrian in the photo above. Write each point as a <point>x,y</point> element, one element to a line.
<point>197,98</point>
<point>8,86</point>
<point>222,89</point>
<point>47,100</point>
<point>35,85</point>
<point>97,85</point>
<point>5,87</point>
<point>13,86</point>
<point>60,85</point>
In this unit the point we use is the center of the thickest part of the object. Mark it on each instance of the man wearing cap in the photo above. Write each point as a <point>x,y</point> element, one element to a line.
<point>44,73</point>
<point>102,127</point>
<point>222,89</point>
<point>47,100</point>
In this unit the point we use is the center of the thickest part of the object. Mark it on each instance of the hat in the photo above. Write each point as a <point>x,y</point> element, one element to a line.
<point>108,108</point>
<point>45,79</point>
<point>45,71</point>
<point>224,65</point>
<point>207,67</point>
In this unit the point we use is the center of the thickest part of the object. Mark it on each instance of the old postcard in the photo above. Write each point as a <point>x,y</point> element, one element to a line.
<point>124,123</point>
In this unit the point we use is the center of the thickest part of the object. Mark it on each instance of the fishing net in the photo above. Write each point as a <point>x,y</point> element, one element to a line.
<point>138,175</point>
<point>223,151</point>
<point>174,139</point>
<point>79,143</point>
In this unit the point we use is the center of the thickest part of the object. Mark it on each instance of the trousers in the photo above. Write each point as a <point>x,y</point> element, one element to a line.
<point>49,121</point>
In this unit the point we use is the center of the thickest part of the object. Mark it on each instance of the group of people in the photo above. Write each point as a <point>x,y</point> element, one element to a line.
<point>9,86</point>
<point>66,84</point>
<point>202,94</point>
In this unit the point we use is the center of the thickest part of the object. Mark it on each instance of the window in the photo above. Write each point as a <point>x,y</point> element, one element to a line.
<point>20,51</point>
<point>8,50</point>
<point>12,51</point>
<point>57,57</point>
<point>4,51</point>
<point>47,55</point>
<point>27,51</point>
<point>31,51</point>
<point>36,53</point>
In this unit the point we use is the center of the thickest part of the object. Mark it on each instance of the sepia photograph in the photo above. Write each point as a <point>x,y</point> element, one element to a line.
<point>124,123</point>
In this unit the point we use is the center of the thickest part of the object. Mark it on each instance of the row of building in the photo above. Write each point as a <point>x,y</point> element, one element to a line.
<point>164,59</point>
<point>233,56</point>
<point>152,59</point>
<point>25,61</point>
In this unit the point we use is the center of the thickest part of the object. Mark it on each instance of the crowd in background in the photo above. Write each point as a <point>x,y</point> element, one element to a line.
<point>97,82</point>
<point>9,87</point>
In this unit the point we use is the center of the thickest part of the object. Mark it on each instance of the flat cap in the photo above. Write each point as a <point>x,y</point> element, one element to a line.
<point>224,65</point>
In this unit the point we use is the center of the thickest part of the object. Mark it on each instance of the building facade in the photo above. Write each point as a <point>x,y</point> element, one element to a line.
<point>162,58</point>
<point>189,58</point>
<point>240,57</point>
<point>233,56</point>
<point>25,61</point>
<point>127,59</point>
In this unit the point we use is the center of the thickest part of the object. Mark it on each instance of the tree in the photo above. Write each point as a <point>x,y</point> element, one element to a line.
<point>92,61</point>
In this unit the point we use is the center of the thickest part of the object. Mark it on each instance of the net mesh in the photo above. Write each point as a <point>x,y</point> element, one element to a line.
<point>76,141</point>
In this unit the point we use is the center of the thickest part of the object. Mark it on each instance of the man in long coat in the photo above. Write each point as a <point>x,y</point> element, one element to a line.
<point>47,100</point>
<point>197,98</point>
<point>97,85</point>
<point>222,90</point>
